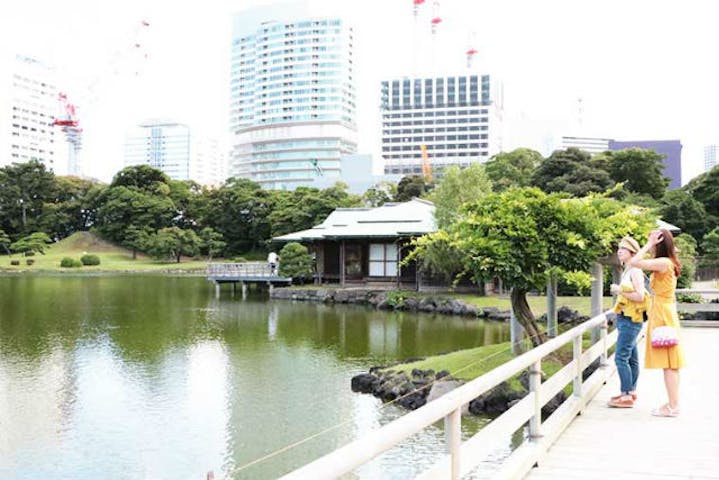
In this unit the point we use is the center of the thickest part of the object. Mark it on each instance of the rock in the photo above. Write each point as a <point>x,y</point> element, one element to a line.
<point>496,401</point>
<point>441,387</point>
<point>364,383</point>
<point>567,315</point>
<point>500,315</point>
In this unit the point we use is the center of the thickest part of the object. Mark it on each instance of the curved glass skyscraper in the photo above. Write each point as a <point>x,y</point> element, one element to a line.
<point>292,100</point>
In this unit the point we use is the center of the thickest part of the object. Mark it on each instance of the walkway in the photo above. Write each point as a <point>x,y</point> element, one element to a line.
<point>606,443</point>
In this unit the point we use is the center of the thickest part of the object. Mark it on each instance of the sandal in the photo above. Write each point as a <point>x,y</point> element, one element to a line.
<point>665,411</point>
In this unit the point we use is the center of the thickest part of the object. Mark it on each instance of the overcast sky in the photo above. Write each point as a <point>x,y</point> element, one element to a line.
<point>644,69</point>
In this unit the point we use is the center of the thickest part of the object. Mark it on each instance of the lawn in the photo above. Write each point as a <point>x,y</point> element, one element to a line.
<point>538,303</point>
<point>112,258</point>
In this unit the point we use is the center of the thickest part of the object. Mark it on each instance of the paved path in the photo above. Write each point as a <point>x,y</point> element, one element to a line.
<point>607,443</point>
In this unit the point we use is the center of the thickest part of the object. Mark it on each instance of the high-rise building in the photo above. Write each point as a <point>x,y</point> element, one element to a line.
<point>28,105</point>
<point>592,145</point>
<point>458,119</point>
<point>292,96</point>
<point>176,150</point>
<point>711,159</point>
<point>670,149</point>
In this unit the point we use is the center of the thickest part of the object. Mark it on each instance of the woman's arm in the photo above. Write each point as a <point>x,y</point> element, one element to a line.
<point>637,278</point>
<point>653,264</point>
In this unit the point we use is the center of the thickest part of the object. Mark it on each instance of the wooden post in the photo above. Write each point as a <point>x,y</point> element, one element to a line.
<point>234,289</point>
<point>399,256</point>
<point>516,332</point>
<point>535,384</point>
<point>244,290</point>
<point>552,306</point>
<point>597,287</point>
<point>577,357</point>
<point>453,432</point>
<point>342,263</point>
<point>217,289</point>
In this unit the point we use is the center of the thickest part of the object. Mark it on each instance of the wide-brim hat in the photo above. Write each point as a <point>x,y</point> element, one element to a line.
<point>630,244</point>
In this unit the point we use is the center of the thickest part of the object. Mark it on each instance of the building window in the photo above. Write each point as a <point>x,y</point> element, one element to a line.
<point>382,260</point>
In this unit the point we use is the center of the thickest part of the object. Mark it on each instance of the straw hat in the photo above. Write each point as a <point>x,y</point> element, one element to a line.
<point>630,244</point>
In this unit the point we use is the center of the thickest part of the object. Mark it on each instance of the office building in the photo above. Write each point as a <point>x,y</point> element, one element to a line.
<point>710,157</point>
<point>457,119</point>
<point>592,145</point>
<point>670,149</point>
<point>292,96</point>
<point>28,105</point>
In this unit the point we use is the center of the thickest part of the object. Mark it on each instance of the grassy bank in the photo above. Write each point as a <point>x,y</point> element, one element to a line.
<point>538,303</point>
<point>112,258</point>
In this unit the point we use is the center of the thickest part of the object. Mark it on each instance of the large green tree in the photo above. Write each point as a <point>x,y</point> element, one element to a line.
<point>35,242</point>
<point>572,171</point>
<point>411,186</point>
<point>513,169</point>
<point>457,187</point>
<point>523,236</point>
<point>25,189</point>
<point>680,208</point>
<point>73,208</point>
<point>174,242</point>
<point>710,249</point>
<point>5,241</point>
<point>704,189</point>
<point>640,170</point>
<point>687,246</point>
<point>122,207</point>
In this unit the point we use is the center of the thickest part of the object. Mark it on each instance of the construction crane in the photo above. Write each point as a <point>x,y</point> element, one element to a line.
<point>426,166</point>
<point>67,119</point>
<point>69,124</point>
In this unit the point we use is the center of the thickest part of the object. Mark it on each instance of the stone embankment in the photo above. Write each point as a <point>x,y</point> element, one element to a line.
<point>414,390</point>
<point>390,300</point>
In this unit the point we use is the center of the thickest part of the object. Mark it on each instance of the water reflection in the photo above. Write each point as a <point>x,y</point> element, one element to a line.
<point>152,377</point>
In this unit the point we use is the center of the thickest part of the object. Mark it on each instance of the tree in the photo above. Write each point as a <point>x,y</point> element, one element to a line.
<point>25,189</point>
<point>640,170</point>
<point>379,194</point>
<point>512,169</point>
<point>679,208</point>
<point>572,171</point>
<point>212,242</point>
<point>137,239</point>
<point>142,177</point>
<point>122,207</point>
<point>523,236</point>
<point>411,186</point>
<point>704,189</point>
<point>710,248</point>
<point>173,242</point>
<point>457,187</point>
<point>35,242</point>
<point>72,209</point>
<point>5,241</point>
<point>687,246</point>
<point>296,262</point>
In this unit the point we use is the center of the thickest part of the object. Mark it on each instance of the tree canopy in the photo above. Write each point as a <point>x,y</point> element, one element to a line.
<point>410,187</point>
<point>641,171</point>
<point>572,171</point>
<point>512,169</point>
<point>457,187</point>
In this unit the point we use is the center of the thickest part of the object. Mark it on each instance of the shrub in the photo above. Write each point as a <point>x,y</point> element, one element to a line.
<point>689,298</point>
<point>15,262</point>
<point>29,261</point>
<point>89,259</point>
<point>29,254</point>
<point>296,262</point>
<point>69,262</point>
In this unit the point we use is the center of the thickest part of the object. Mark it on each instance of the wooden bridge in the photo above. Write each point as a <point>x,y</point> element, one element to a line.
<point>247,273</point>
<point>583,438</point>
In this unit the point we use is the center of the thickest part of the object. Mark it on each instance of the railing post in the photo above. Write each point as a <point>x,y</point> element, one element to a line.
<point>603,338</point>
<point>577,350</point>
<point>552,306</point>
<point>535,385</point>
<point>597,300</point>
<point>453,433</point>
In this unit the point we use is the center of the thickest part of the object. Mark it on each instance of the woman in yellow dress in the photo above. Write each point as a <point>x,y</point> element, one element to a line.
<point>665,268</point>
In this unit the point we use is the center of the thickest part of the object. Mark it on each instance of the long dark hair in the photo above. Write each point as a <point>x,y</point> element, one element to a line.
<point>666,249</point>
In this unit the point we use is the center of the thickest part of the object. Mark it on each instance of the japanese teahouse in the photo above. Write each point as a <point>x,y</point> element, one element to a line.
<point>366,245</point>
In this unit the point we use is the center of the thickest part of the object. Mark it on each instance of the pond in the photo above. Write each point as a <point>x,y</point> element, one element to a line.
<point>132,377</point>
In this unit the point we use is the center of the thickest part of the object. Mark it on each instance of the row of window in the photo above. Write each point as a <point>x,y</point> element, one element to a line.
<point>432,138</point>
<point>436,147</point>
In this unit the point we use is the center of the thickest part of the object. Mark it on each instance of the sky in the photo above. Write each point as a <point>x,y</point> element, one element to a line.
<point>643,69</point>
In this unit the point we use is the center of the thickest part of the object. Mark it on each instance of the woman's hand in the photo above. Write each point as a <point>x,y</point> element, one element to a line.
<point>615,289</point>
<point>655,237</point>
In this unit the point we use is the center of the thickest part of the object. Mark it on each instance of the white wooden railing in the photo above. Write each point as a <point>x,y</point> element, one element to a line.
<point>463,457</point>
<point>245,269</point>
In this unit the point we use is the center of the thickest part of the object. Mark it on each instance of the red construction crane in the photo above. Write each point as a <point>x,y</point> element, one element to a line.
<point>70,125</point>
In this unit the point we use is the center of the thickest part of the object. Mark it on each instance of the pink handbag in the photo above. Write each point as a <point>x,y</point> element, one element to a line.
<point>664,337</point>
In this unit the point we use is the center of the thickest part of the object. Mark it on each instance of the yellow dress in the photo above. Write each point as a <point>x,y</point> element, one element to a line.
<point>663,311</point>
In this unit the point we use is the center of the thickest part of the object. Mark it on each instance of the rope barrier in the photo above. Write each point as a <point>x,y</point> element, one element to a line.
<point>384,405</point>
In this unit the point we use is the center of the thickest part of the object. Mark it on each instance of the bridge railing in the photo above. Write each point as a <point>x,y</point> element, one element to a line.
<point>245,269</point>
<point>463,457</point>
